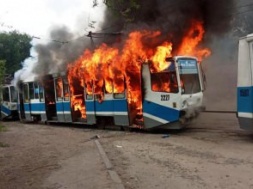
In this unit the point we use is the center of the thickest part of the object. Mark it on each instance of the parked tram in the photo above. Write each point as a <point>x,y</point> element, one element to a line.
<point>245,83</point>
<point>9,103</point>
<point>49,99</point>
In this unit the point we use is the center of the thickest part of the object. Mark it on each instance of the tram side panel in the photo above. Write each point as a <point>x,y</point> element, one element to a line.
<point>120,108</point>
<point>32,102</point>
<point>37,99</point>
<point>245,83</point>
<point>159,107</point>
<point>113,105</point>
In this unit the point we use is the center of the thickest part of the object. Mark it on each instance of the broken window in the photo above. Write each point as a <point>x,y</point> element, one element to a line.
<point>164,82</point>
<point>119,88</point>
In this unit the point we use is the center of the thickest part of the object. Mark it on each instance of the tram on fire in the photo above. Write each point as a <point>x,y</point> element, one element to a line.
<point>170,98</point>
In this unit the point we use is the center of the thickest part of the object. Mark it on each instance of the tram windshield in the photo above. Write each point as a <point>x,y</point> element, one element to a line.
<point>189,77</point>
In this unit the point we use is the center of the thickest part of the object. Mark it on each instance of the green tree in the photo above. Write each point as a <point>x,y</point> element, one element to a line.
<point>2,75</point>
<point>2,72</point>
<point>14,48</point>
<point>125,9</point>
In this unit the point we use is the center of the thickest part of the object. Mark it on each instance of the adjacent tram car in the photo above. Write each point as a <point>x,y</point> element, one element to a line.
<point>9,104</point>
<point>245,83</point>
<point>50,99</point>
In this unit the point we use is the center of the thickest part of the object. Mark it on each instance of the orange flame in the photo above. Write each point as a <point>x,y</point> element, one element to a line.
<point>77,100</point>
<point>107,68</point>
<point>192,39</point>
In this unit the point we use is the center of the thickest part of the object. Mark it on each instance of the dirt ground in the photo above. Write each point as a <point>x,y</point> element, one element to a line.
<point>212,153</point>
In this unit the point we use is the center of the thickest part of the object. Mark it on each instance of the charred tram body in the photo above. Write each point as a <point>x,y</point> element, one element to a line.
<point>169,98</point>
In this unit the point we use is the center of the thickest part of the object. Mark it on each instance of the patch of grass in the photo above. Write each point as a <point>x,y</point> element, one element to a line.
<point>2,128</point>
<point>4,145</point>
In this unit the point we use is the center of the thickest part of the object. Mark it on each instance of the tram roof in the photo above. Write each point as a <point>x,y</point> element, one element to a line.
<point>182,56</point>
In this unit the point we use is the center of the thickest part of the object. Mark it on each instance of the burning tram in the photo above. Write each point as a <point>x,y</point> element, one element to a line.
<point>245,83</point>
<point>167,98</point>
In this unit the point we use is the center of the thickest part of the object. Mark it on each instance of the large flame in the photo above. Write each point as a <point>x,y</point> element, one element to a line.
<point>113,69</point>
<point>192,39</point>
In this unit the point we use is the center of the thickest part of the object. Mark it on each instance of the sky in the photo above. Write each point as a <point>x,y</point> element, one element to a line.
<point>37,17</point>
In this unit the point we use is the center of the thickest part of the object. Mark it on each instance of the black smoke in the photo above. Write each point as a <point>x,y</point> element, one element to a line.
<point>64,48</point>
<point>225,21</point>
<point>173,18</point>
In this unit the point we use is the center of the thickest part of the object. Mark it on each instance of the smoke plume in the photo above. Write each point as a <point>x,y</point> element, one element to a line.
<point>172,18</point>
<point>63,49</point>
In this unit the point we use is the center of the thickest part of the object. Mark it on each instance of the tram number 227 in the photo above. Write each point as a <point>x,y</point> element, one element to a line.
<point>165,97</point>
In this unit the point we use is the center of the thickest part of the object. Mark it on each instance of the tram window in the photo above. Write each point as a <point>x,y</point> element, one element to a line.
<point>119,88</point>
<point>14,94</point>
<point>31,90</point>
<point>189,76</point>
<point>98,86</point>
<point>108,87</point>
<point>66,89</point>
<point>36,91</point>
<point>6,96</point>
<point>119,95</point>
<point>190,83</point>
<point>41,94</point>
<point>89,97</point>
<point>89,90</point>
<point>59,89</point>
<point>164,82</point>
<point>26,93</point>
<point>99,97</point>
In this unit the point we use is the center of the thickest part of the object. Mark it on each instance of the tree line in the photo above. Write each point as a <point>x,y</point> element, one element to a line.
<point>14,49</point>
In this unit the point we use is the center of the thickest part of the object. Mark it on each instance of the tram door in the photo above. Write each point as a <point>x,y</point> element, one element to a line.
<point>160,104</point>
<point>111,103</point>
<point>62,97</point>
<point>90,104</point>
<point>21,108</point>
<point>27,102</point>
<point>49,96</point>
<point>120,104</point>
